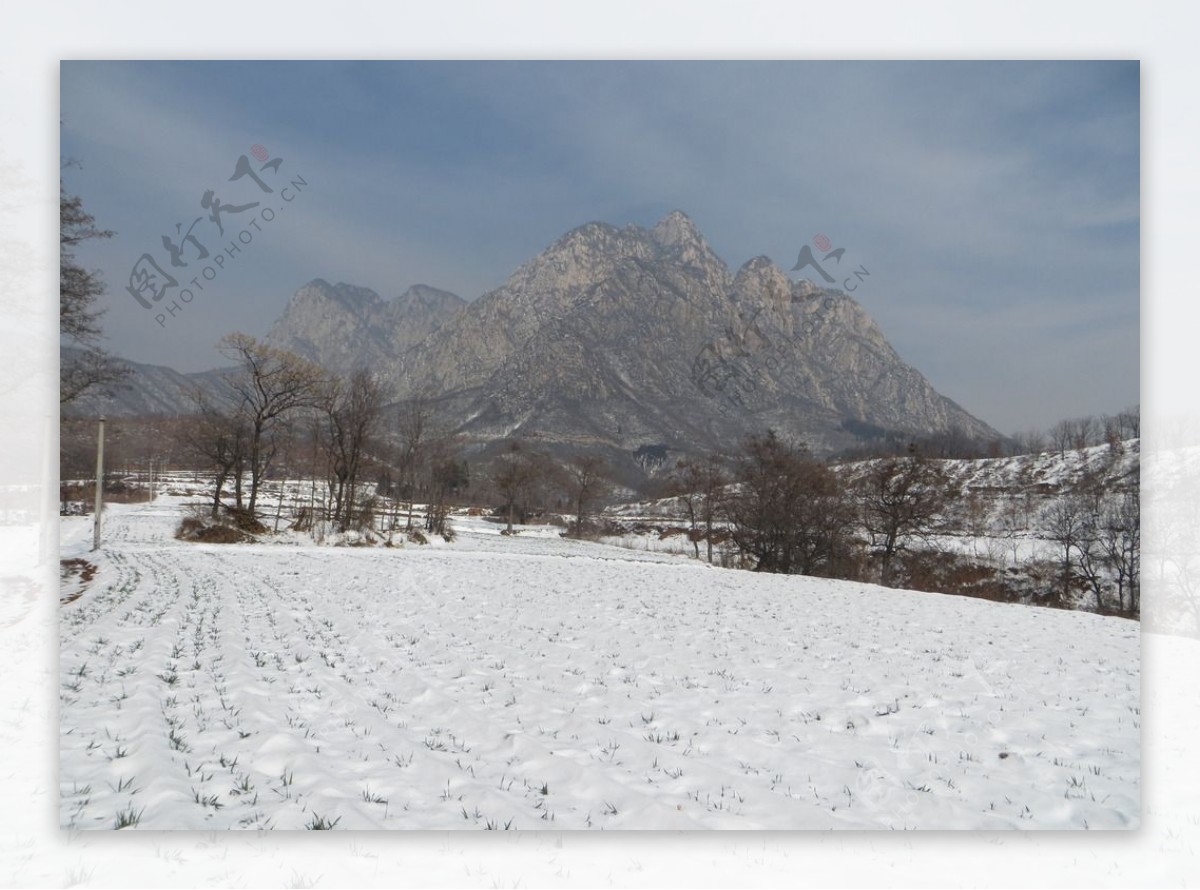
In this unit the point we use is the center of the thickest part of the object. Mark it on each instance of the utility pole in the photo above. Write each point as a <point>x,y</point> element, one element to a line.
<point>99,486</point>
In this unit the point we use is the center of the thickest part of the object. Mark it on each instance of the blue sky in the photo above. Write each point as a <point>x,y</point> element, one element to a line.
<point>996,205</point>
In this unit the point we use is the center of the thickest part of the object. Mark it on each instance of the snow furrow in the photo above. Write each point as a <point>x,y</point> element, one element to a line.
<point>568,685</point>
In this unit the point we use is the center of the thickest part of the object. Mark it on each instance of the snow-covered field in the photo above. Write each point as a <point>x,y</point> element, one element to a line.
<point>533,682</point>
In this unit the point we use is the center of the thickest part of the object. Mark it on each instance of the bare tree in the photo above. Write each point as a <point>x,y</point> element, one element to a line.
<point>90,368</point>
<point>1028,442</point>
<point>269,384</point>
<point>1111,430</point>
<point>1131,422</point>
<point>1121,543</point>
<point>901,500</point>
<point>1065,522</point>
<point>219,436</point>
<point>1085,431</point>
<point>449,475</point>
<point>1106,543</point>
<point>351,411</point>
<point>414,429</point>
<point>976,518</point>
<point>586,481</point>
<point>1014,521</point>
<point>700,485</point>
<point>514,474</point>
<point>789,513</point>
<point>1062,436</point>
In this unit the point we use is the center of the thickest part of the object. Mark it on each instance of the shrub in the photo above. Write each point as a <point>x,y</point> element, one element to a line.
<point>189,528</point>
<point>245,520</point>
<point>198,528</point>
<point>221,534</point>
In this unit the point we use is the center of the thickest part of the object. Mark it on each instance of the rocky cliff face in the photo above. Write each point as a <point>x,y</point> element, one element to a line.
<point>623,338</point>
<point>630,341</point>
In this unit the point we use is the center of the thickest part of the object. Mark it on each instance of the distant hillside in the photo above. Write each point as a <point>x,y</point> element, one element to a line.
<point>996,480</point>
<point>150,390</point>
<point>999,532</point>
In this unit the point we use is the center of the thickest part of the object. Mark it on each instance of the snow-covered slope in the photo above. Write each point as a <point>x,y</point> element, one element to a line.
<point>531,682</point>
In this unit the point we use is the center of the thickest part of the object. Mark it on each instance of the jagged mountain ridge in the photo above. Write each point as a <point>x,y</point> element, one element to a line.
<point>343,327</point>
<point>618,338</point>
<point>148,391</point>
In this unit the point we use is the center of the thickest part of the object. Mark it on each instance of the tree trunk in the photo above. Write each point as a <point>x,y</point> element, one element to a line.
<point>255,468</point>
<point>885,567</point>
<point>217,494</point>
<point>237,485</point>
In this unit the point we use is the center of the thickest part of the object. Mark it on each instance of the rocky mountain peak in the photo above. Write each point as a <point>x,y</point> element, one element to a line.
<point>618,338</point>
<point>762,273</point>
<point>676,229</point>
<point>680,245</point>
<point>349,296</point>
<point>580,244</point>
<point>429,299</point>
<point>805,289</point>
<point>344,327</point>
<point>577,261</point>
<point>761,283</point>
